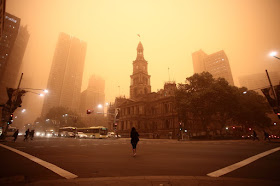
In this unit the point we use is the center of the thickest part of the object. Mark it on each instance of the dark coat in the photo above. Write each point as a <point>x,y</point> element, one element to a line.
<point>134,137</point>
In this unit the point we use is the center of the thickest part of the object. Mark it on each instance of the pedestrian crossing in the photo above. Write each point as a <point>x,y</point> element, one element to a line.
<point>34,144</point>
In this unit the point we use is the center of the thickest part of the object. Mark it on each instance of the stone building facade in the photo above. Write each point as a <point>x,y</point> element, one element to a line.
<point>153,114</point>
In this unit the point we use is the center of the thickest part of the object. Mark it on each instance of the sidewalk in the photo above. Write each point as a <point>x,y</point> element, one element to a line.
<point>159,181</point>
<point>146,181</point>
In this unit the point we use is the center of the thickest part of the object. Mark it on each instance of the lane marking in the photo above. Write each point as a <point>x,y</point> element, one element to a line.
<point>240,164</point>
<point>52,167</point>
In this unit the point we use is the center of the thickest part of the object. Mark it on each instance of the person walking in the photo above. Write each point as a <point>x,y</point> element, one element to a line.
<point>266,136</point>
<point>255,136</point>
<point>32,134</point>
<point>15,135</point>
<point>26,135</point>
<point>134,140</point>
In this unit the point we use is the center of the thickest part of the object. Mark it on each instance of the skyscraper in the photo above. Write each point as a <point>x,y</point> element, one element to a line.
<point>93,95</point>
<point>12,49</point>
<point>11,28</point>
<point>2,16</point>
<point>217,64</point>
<point>66,74</point>
<point>140,79</point>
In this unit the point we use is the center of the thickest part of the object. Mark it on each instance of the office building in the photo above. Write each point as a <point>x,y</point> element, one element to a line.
<point>2,16</point>
<point>93,95</point>
<point>217,64</point>
<point>66,74</point>
<point>12,49</point>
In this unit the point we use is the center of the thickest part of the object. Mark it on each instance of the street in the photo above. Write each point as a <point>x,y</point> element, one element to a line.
<point>91,158</point>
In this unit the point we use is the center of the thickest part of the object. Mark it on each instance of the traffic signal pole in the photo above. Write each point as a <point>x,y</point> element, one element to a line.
<point>270,84</point>
<point>10,110</point>
<point>274,94</point>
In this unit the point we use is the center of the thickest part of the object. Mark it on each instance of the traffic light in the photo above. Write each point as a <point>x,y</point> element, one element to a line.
<point>278,114</point>
<point>11,119</point>
<point>180,125</point>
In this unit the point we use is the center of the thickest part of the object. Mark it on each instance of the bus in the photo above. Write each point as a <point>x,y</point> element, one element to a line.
<point>67,132</point>
<point>92,132</point>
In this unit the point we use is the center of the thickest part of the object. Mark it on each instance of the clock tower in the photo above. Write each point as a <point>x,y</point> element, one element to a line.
<point>140,79</point>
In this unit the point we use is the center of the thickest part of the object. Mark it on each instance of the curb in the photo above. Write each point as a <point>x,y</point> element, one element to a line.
<point>159,181</point>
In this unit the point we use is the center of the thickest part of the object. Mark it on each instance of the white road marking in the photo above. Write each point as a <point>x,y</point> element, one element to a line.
<point>235,166</point>
<point>52,167</point>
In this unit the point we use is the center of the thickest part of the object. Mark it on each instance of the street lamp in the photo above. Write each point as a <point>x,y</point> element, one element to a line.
<point>273,54</point>
<point>245,92</point>
<point>40,94</point>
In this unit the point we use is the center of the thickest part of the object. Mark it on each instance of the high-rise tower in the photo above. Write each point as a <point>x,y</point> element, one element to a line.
<point>66,74</point>
<point>140,79</point>
<point>10,33</point>
<point>217,64</point>
<point>2,16</point>
<point>93,95</point>
<point>12,49</point>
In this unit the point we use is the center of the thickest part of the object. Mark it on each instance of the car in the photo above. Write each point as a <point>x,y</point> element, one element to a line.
<point>81,135</point>
<point>247,136</point>
<point>113,135</point>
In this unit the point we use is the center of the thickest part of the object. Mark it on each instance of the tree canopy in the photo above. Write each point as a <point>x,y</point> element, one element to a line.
<point>214,103</point>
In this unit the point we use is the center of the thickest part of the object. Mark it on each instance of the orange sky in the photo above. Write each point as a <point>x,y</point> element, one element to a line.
<point>247,30</point>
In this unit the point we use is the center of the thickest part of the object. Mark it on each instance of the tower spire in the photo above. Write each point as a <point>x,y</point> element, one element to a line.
<point>140,49</point>
<point>140,79</point>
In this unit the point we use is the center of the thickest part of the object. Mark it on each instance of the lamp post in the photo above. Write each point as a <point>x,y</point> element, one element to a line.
<point>273,54</point>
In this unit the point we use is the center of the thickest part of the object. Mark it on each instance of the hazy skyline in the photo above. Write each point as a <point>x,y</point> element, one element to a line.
<point>247,30</point>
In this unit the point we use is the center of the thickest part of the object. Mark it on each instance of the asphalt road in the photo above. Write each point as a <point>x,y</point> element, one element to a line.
<point>89,158</point>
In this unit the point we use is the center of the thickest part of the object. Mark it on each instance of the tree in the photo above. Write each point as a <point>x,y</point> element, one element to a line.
<point>214,103</point>
<point>194,97</point>
<point>253,109</point>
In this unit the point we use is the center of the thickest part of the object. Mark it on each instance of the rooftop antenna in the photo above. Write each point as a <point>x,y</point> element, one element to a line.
<point>119,91</point>
<point>168,75</point>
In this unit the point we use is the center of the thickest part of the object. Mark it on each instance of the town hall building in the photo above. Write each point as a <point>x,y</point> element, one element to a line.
<point>153,114</point>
